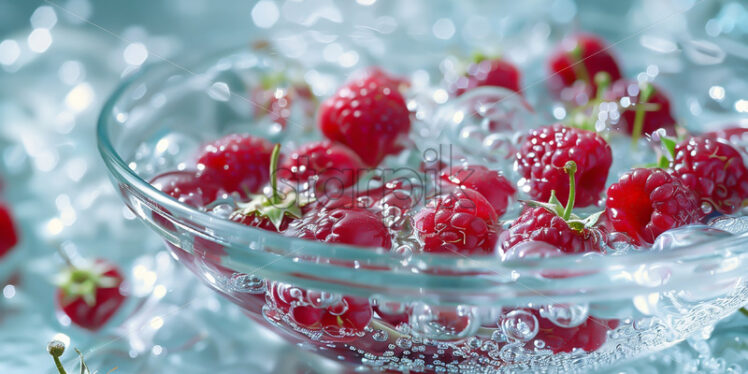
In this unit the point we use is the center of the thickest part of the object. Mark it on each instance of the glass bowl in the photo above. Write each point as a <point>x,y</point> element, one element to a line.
<point>422,313</point>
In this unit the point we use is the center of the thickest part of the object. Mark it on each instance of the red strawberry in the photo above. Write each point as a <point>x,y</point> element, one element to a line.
<point>484,72</point>
<point>546,150</point>
<point>714,171</point>
<point>328,166</point>
<point>340,318</point>
<point>650,105</point>
<point>489,183</point>
<point>369,115</point>
<point>554,224</point>
<point>644,203</point>
<point>237,163</point>
<point>185,187</point>
<point>580,58</point>
<point>90,294</point>
<point>353,226</point>
<point>274,212</point>
<point>460,222</point>
<point>8,233</point>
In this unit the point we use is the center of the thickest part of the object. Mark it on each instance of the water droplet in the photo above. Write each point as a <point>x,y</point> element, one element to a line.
<point>247,283</point>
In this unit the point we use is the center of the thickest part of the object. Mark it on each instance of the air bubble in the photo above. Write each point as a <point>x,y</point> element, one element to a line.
<point>380,335</point>
<point>565,315</point>
<point>519,325</point>
<point>247,283</point>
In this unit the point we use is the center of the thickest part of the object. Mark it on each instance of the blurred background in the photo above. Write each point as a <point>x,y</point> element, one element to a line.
<point>60,59</point>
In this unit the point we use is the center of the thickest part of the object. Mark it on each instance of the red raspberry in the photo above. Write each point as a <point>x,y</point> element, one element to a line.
<point>546,150</point>
<point>580,58</point>
<point>714,171</point>
<point>461,222</point>
<point>496,72</point>
<point>644,203</point>
<point>489,183</point>
<point>734,135</point>
<point>340,318</point>
<point>589,336</point>
<point>8,234</point>
<point>273,212</point>
<point>237,163</point>
<point>329,166</point>
<point>540,224</point>
<point>353,226</point>
<point>657,116</point>
<point>369,115</point>
<point>185,187</point>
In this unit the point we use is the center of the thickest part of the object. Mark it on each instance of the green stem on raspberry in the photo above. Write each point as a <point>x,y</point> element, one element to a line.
<point>56,348</point>
<point>646,92</point>
<point>571,169</point>
<point>579,69</point>
<point>276,199</point>
<point>602,81</point>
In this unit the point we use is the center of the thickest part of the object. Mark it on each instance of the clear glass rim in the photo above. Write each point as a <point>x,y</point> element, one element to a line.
<point>610,265</point>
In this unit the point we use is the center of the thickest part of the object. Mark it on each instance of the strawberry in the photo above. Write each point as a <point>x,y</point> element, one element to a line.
<point>546,150</point>
<point>274,212</point>
<point>8,233</point>
<point>651,108</point>
<point>714,170</point>
<point>554,223</point>
<point>90,294</point>
<point>460,222</point>
<point>578,59</point>
<point>644,203</point>
<point>488,72</point>
<point>236,163</point>
<point>489,183</point>
<point>369,115</point>
<point>326,165</point>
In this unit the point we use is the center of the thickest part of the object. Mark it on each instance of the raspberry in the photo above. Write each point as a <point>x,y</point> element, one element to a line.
<point>644,203</point>
<point>589,336</point>
<point>237,163</point>
<point>8,234</point>
<point>714,171</point>
<point>354,226</point>
<point>540,224</point>
<point>273,212</point>
<point>496,72</point>
<point>461,222</point>
<point>369,115</point>
<point>554,223</point>
<point>185,187</point>
<point>657,116</point>
<point>546,150</point>
<point>489,183</point>
<point>329,166</point>
<point>580,58</point>
<point>340,318</point>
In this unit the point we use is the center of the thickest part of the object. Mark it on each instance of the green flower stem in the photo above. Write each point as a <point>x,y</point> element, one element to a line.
<point>602,81</point>
<point>276,198</point>
<point>646,92</point>
<point>744,311</point>
<point>571,169</point>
